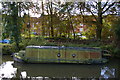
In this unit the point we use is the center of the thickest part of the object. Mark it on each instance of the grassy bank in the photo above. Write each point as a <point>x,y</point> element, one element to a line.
<point>104,45</point>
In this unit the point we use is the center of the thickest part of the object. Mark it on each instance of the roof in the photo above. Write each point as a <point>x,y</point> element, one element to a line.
<point>63,47</point>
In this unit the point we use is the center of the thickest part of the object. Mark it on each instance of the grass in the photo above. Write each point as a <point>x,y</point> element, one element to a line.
<point>40,41</point>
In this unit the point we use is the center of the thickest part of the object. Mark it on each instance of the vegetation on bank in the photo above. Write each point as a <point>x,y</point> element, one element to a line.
<point>104,45</point>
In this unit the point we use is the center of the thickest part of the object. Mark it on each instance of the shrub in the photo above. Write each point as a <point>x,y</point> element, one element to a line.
<point>34,41</point>
<point>22,46</point>
<point>117,52</point>
<point>109,47</point>
<point>7,49</point>
<point>116,28</point>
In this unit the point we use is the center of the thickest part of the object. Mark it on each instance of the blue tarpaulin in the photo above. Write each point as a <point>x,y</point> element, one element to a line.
<point>5,41</point>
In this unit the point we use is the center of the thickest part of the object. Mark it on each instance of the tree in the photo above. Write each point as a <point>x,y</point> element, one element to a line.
<point>116,27</point>
<point>26,25</point>
<point>12,20</point>
<point>42,15</point>
<point>50,18</point>
<point>12,24</point>
<point>67,8</point>
<point>98,10</point>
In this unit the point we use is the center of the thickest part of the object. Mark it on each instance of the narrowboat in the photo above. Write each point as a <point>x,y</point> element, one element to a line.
<point>60,54</point>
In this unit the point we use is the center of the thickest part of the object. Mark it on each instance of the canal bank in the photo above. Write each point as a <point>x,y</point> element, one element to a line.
<point>64,70</point>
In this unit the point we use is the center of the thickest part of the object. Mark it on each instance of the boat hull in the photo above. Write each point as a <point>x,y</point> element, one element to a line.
<point>23,60</point>
<point>53,54</point>
<point>18,60</point>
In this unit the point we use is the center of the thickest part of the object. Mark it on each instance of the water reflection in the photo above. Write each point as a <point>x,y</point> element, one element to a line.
<point>7,70</point>
<point>107,72</point>
<point>11,69</point>
<point>24,74</point>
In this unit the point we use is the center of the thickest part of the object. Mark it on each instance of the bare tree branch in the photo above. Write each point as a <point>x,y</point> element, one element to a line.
<point>108,7</point>
<point>105,5</point>
<point>91,13</point>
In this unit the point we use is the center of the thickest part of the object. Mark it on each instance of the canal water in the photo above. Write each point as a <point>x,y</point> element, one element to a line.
<point>11,69</point>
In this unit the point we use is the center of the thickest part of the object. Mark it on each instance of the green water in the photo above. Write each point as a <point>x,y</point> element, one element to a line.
<point>63,70</point>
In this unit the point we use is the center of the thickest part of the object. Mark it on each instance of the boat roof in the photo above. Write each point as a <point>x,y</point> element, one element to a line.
<point>63,47</point>
<point>43,47</point>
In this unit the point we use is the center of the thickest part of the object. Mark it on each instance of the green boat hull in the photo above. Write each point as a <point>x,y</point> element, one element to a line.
<point>60,55</point>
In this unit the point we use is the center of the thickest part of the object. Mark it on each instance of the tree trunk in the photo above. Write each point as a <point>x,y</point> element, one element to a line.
<point>15,29</point>
<point>99,22</point>
<point>68,34</point>
<point>17,46</point>
<point>73,32</point>
<point>71,25</point>
<point>43,29</point>
<point>51,20</point>
<point>28,26</point>
<point>98,32</point>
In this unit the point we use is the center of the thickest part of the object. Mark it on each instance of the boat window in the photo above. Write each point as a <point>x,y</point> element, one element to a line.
<point>73,55</point>
<point>58,55</point>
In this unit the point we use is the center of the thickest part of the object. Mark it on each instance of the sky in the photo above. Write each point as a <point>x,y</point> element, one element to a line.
<point>44,1</point>
<point>0,6</point>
